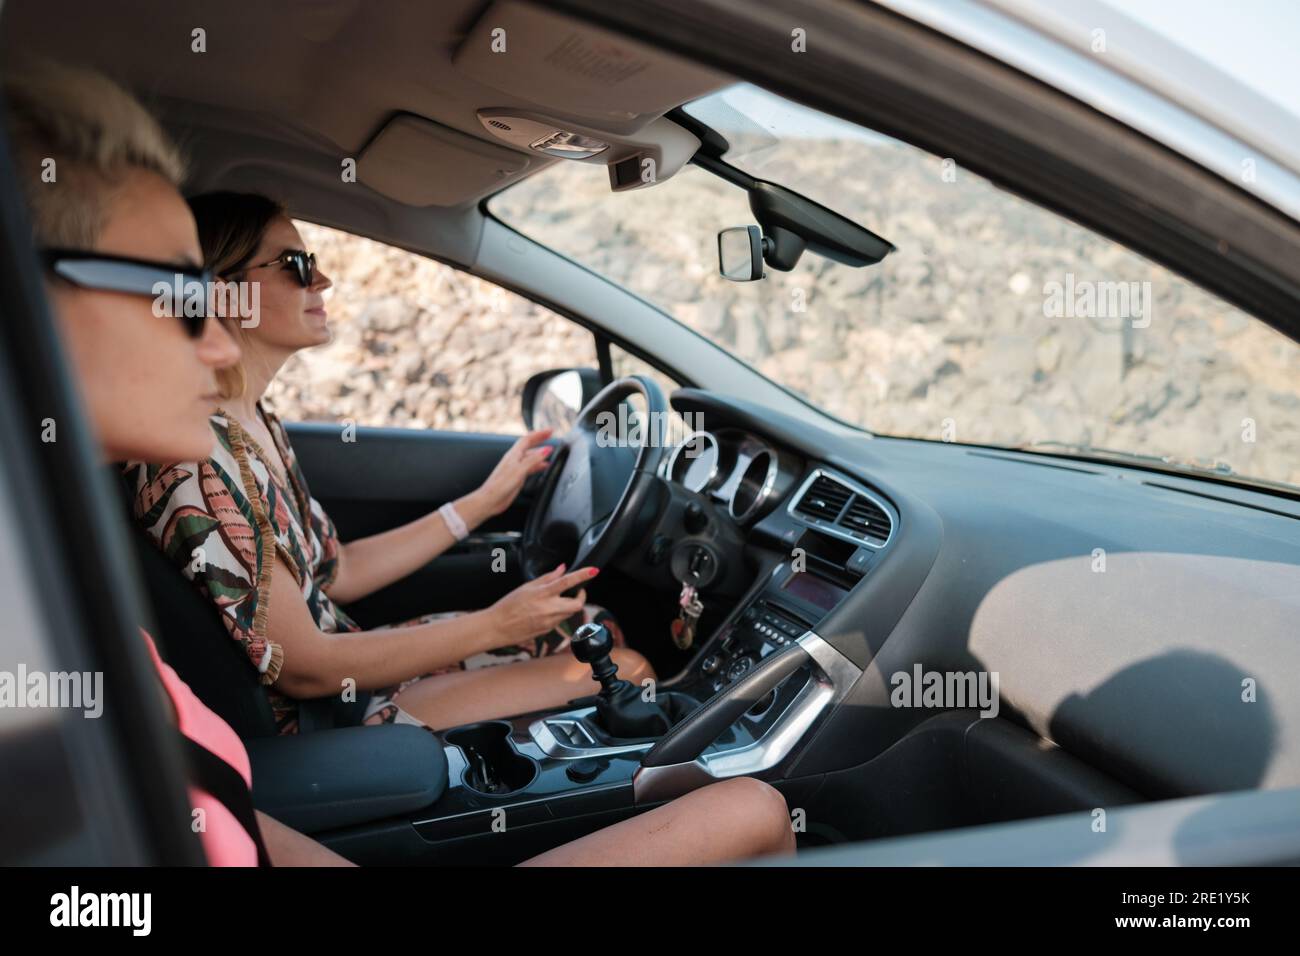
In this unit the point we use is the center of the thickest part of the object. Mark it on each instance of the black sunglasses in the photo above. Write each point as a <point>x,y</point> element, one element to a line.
<point>175,288</point>
<point>299,261</point>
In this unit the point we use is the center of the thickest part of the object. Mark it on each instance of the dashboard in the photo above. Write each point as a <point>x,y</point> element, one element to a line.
<point>821,530</point>
<point>751,477</point>
<point>1114,602</point>
<point>734,468</point>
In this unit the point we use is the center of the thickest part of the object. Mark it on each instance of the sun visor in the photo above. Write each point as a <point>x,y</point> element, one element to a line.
<point>571,67</point>
<point>421,163</point>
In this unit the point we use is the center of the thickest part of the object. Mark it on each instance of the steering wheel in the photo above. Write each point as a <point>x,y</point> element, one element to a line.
<point>598,479</point>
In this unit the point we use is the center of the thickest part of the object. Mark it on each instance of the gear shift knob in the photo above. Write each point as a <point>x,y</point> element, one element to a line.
<point>592,644</point>
<point>620,710</point>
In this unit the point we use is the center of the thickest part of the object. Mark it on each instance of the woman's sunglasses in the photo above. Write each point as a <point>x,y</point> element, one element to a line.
<point>181,291</point>
<point>298,261</point>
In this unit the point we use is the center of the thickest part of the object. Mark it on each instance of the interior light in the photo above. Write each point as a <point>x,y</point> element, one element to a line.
<point>566,145</point>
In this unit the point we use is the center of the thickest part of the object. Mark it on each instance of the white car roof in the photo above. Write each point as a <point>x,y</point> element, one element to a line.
<point>1141,78</point>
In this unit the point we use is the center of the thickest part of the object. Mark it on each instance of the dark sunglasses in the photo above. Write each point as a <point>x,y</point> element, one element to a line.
<point>298,261</point>
<point>172,286</point>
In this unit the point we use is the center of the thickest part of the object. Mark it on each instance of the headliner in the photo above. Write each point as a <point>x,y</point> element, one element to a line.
<point>285,92</point>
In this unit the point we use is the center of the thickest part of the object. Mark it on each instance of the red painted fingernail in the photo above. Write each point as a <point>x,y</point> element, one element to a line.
<point>594,572</point>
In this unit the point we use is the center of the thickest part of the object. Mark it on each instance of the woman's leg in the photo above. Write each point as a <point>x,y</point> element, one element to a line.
<point>462,697</point>
<point>732,820</point>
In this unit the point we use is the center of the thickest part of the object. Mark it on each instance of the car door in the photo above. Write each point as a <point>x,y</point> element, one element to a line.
<point>396,475</point>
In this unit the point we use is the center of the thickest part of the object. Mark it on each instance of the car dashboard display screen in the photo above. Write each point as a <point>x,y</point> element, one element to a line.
<point>814,590</point>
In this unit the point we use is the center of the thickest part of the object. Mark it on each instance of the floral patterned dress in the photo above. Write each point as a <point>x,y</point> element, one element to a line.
<point>224,521</point>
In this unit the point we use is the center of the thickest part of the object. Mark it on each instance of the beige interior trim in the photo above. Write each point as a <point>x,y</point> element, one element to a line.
<point>421,163</point>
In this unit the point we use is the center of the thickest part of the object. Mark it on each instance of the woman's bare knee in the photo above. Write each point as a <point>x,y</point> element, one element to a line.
<point>766,809</point>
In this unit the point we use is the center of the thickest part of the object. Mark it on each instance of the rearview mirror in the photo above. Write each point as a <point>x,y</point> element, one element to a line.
<point>552,399</point>
<point>740,253</point>
<point>789,224</point>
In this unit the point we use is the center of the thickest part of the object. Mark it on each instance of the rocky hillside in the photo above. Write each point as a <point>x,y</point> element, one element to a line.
<point>420,345</point>
<point>947,338</point>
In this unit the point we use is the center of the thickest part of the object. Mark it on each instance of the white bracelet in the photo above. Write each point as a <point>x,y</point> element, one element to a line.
<point>455,523</point>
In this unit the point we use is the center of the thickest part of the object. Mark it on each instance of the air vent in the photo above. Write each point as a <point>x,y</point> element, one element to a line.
<point>867,520</point>
<point>843,509</point>
<point>824,499</point>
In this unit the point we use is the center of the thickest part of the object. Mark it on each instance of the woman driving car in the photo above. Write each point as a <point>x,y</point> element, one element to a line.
<point>109,227</point>
<point>243,526</point>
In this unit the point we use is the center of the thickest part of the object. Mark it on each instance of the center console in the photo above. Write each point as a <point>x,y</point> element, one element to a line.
<point>789,606</point>
<point>757,687</point>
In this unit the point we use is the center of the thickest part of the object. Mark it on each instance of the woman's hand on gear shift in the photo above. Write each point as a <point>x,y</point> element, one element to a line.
<point>536,607</point>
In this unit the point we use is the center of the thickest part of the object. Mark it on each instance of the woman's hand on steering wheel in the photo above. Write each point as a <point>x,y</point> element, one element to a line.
<point>527,456</point>
<point>589,505</point>
<point>535,608</point>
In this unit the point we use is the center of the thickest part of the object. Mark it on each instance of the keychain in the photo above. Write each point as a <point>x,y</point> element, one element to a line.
<point>690,607</point>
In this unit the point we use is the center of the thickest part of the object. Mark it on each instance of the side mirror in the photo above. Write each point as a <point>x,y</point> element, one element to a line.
<point>552,399</point>
<point>740,253</point>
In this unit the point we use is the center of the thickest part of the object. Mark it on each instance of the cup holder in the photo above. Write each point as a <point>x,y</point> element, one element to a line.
<point>493,767</point>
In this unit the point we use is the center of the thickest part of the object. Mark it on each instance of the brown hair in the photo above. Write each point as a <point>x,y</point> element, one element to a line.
<point>231,227</point>
<point>84,132</point>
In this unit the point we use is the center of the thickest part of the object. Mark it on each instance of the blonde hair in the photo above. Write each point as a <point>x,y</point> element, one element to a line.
<point>93,132</point>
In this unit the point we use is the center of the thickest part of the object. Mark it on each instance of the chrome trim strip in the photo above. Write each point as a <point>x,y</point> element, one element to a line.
<point>456,762</point>
<point>841,671</point>
<point>776,744</point>
<point>764,491</point>
<point>548,799</point>
<point>829,682</point>
<point>825,526</point>
<point>713,472</point>
<point>552,746</point>
<point>494,538</point>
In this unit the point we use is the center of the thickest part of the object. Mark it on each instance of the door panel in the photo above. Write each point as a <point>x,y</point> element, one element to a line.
<point>389,476</point>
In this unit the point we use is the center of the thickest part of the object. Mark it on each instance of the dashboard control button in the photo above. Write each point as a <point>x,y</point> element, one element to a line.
<point>695,520</point>
<point>739,667</point>
<point>583,771</point>
<point>659,548</point>
<point>860,561</point>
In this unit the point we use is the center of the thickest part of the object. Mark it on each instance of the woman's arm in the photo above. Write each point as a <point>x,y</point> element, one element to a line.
<point>368,564</point>
<point>316,663</point>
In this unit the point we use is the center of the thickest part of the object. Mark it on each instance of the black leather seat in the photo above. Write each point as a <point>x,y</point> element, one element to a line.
<point>193,640</point>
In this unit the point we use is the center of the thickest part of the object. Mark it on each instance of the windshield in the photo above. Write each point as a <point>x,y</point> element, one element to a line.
<point>996,322</point>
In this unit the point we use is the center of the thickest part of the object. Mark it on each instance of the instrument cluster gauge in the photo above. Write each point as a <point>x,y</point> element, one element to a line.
<point>694,463</point>
<point>758,470</point>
